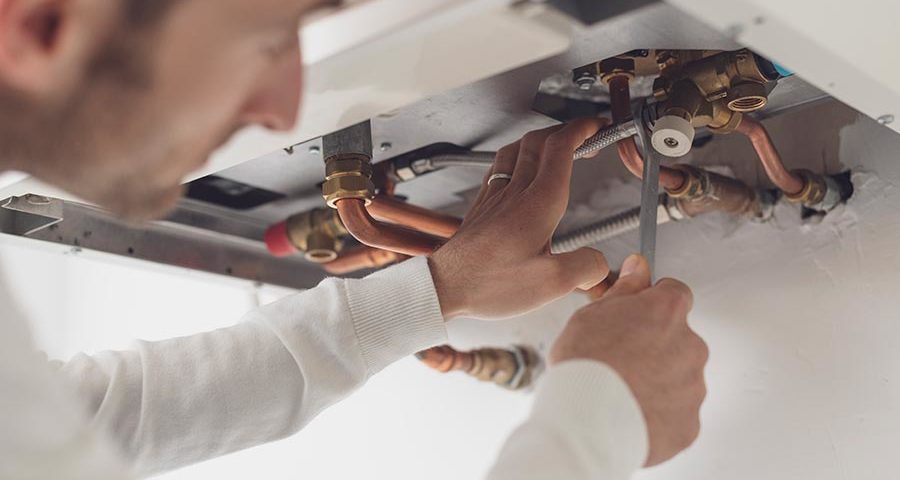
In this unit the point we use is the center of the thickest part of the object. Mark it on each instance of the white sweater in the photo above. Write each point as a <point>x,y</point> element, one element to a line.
<point>168,404</point>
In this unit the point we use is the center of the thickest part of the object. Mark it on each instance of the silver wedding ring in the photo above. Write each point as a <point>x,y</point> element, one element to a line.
<point>499,176</point>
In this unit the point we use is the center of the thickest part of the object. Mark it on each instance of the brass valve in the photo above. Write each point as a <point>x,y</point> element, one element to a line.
<point>317,233</point>
<point>712,90</point>
<point>348,176</point>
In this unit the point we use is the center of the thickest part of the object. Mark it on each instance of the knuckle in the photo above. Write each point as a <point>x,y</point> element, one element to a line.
<point>693,431</point>
<point>660,307</point>
<point>674,301</point>
<point>561,138</point>
<point>533,138</point>
<point>702,349</point>
<point>507,151</point>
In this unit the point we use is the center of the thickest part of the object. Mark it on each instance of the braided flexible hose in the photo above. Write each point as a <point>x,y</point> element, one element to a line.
<point>605,229</point>
<point>606,137</point>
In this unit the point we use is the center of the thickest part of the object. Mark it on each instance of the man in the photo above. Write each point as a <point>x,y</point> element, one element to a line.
<point>116,101</point>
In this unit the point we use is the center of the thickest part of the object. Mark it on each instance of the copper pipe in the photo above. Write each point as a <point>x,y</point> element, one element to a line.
<point>445,359</point>
<point>712,192</point>
<point>360,258</point>
<point>369,232</point>
<point>788,182</point>
<point>394,211</point>
<point>511,369</point>
<point>620,105</point>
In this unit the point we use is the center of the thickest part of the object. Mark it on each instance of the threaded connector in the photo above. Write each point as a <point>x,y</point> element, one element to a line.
<point>512,369</point>
<point>695,182</point>
<point>348,176</point>
<point>814,189</point>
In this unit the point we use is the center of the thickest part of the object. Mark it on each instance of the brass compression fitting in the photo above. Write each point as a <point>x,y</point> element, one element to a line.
<point>348,176</point>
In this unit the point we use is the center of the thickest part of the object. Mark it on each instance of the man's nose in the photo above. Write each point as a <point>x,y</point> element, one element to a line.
<point>275,103</point>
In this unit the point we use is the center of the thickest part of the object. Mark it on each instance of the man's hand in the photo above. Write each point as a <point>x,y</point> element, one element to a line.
<point>642,333</point>
<point>499,263</point>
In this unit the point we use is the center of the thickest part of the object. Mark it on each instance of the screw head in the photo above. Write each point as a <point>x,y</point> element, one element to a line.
<point>671,142</point>
<point>586,81</point>
<point>886,119</point>
<point>386,146</point>
<point>315,150</point>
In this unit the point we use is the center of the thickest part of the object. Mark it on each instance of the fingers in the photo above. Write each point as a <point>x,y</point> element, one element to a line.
<point>633,278</point>
<point>504,163</point>
<point>530,153</point>
<point>555,168</point>
<point>679,296</point>
<point>597,291</point>
<point>584,268</point>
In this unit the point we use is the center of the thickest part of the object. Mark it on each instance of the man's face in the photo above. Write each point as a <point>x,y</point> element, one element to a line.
<point>151,103</point>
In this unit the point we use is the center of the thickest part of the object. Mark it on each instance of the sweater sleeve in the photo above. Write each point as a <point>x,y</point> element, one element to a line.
<point>585,425</point>
<point>180,401</point>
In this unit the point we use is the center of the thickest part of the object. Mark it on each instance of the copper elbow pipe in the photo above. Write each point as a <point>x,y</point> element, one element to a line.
<point>369,232</point>
<point>620,105</point>
<point>361,258</point>
<point>788,182</point>
<point>417,218</point>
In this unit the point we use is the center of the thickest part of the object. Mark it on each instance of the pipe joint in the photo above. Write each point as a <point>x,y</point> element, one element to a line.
<point>316,233</point>
<point>696,182</point>
<point>348,176</point>
<point>512,369</point>
<point>814,188</point>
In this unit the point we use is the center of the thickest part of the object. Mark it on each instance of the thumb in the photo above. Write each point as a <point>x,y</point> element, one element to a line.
<point>634,277</point>
<point>584,268</point>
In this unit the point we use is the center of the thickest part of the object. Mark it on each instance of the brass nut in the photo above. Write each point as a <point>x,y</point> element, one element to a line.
<point>814,188</point>
<point>694,182</point>
<point>348,186</point>
<point>348,164</point>
<point>348,176</point>
<point>616,66</point>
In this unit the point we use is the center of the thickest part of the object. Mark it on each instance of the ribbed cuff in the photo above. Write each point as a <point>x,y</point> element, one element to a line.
<point>592,403</point>
<point>396,313</point>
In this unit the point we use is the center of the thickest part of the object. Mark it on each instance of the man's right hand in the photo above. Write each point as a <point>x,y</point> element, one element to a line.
<point>641,331</point>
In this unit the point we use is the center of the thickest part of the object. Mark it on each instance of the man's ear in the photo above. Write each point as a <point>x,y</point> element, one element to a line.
<point>32,50</point>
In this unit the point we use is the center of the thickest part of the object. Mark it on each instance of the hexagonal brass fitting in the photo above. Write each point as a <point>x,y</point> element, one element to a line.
<point>316,233</point>
<point>695,184</point>
<point>724,119</point>
<point>814,189</point>
<point>348,176</point>
<point>615,66</point>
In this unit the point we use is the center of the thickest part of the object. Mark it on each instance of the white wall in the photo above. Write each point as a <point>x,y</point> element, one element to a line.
<point>802,322</point>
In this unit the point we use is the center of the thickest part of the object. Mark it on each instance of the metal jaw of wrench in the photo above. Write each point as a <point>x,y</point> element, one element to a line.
<point>649,186</point>
<point>642,127</point>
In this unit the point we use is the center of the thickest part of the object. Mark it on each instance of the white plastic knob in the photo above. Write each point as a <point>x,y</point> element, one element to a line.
<point>672,136</point>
